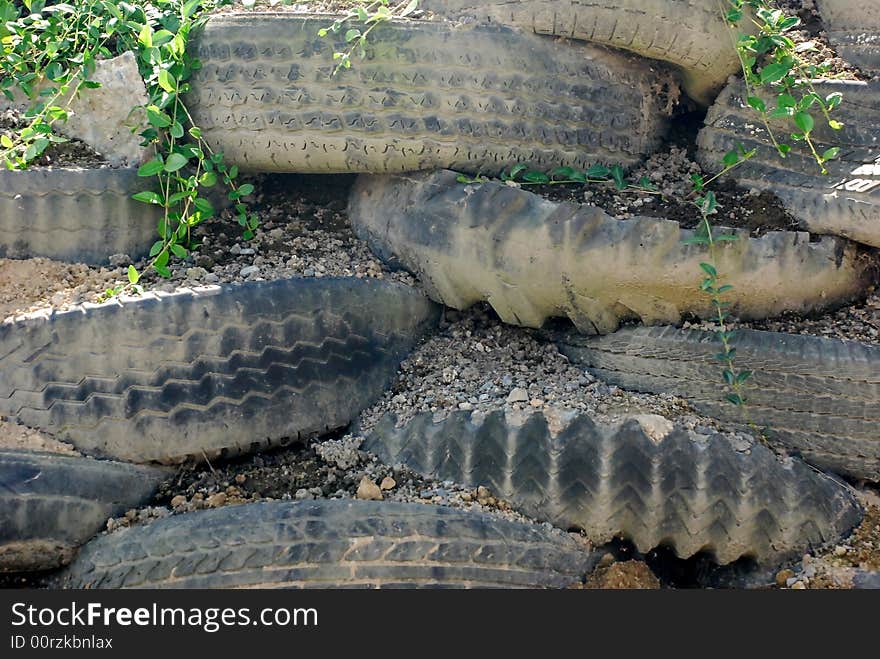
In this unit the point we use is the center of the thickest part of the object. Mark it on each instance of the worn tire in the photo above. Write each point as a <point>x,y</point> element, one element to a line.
<point>218,369</point>
<point>532,259</point>
<point>50,504</point>
<point>428,95</point>
<point>845,202</point>
<point>73,214</point>
<point>643,479</point>
<point>690,34</point>
<point>331,544</point>
<point>817,397</point>
<point>853,28</point>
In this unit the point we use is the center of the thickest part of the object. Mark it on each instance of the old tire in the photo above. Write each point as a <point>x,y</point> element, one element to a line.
<point>428,95</point>
<point>642,479</point>
<point>846,201</point>
<point>817,397</point>
<point>218,369</point>
<point>73,214</point>
<point>691,35</point>
<point>331,544</point>
<point>532,259</point>
<point>853,28</point>
<point>50,504</point>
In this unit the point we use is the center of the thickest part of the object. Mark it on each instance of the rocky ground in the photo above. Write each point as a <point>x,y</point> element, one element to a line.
<point>69,153</point>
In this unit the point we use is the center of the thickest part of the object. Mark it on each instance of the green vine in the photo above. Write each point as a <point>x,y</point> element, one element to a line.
<point>49,52</point>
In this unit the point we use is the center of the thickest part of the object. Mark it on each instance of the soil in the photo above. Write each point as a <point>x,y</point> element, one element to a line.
<point>17,436</point>
<point>627,575</point>
<point>71,153</point>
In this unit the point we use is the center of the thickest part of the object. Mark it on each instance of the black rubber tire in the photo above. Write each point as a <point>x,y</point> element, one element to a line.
<point>331,544</point>
<point>428,95</point>
<point>652,485</point>
<point>690,34</point>
<point>818,397</point>
<point>853,28</point>
<point>72,214</point>
<point>533,259</point>
<point>221,369</point>
<point>845,202</point>
<point>50,504</point>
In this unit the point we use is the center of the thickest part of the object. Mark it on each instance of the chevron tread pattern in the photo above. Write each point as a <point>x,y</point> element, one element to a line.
<point>819,397</point>
<point>691,492</point>
<point>164,378</point>
<point>51,504</point>
<point>331,544</point>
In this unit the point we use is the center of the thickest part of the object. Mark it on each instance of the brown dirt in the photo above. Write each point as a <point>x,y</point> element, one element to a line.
<point>16,436</point>
<point>24,283</point>
<point>71,153</point>
<point>628,575</point>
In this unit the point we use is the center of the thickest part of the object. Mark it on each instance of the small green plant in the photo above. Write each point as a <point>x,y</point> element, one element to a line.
<point>771,61</point>
<point>707,205</point>
<point>368,14</point>
<point>49,52</point>
<point>599,174</point>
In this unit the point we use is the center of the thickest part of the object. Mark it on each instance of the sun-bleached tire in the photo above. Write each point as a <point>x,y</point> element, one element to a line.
<point>50,504</point>
<point>846,201</point>
<point>74,214</point>
<point>643,479</point>
<point>215,370</point>
<point>428,95</point>
<point>532,259</point>
<point>691,34</point>
<point>331,544</point>
<point>818,397</point>
<point>853,28</point>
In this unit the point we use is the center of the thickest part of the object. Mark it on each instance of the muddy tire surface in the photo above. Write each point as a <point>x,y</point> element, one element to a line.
<point>331,544</point>
<point>846,201</point>
<point>72,214</point>
<point>428,95</point>
<point>691,35</point>
<point>532,259</point>
<point>643,479</point>
<point>50,504</point>
<point>817,397</point>
<point>217,370</point>
<point>853,28</point>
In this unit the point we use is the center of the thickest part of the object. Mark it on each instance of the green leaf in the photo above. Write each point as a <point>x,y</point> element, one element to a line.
<point>774,72</point>
<point>352,34</point>
<point>709,269</point>
<point>695,240</point>
<point>167,81</point>
<point>736,399</point>
<point>179,251</point>
<point>836,125</point>
<point>6,142</point>
<point>618,176</point>
<point>133,276</point>
<point>598,171</point>
<point>757,103</point>
<point>151,168</point>
<point>195,132</point>
<point>189,8</point>
<point>156,248</point>
<point>743,376</point>
<point>148,197</point>
<point>145,38</point>
<point>175,162</point>
<point>157,118</point>
<point>804,121</point>
<point>536,177</point>
<point>730,158</point>
<point>208,179</point>
<point>831,153</point>
<point>245,189</point>
<point>516,169</point>
<point>203,206</point>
